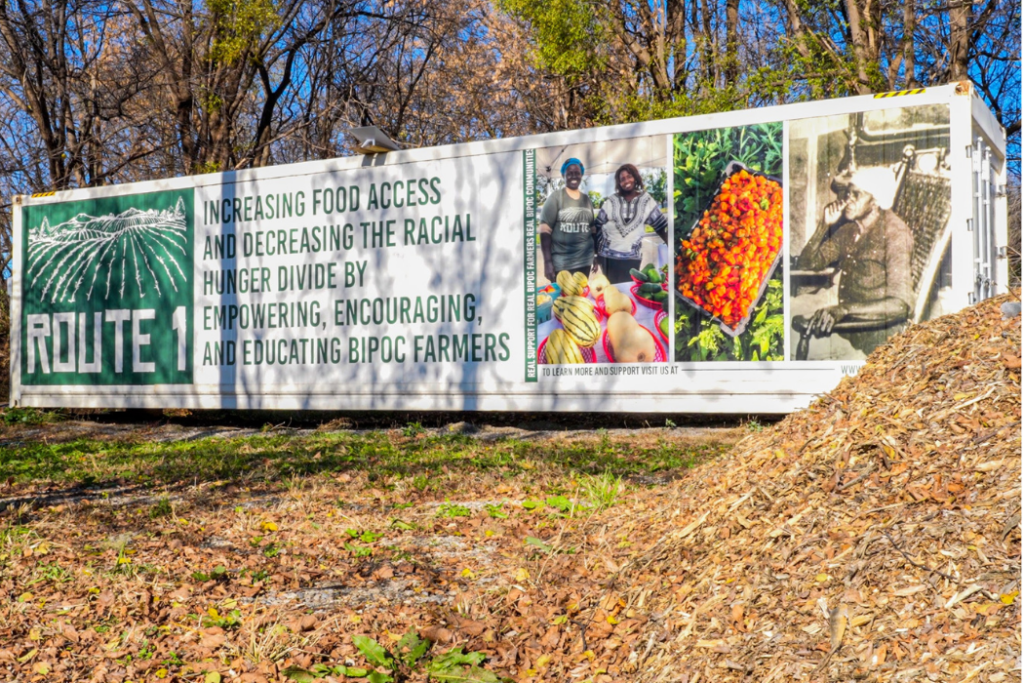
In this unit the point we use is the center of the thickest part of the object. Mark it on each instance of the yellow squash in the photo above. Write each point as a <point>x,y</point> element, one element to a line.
<point>560,349</point>
<point>572,284</point>
<point>598,283</point>
<point>577,317</point>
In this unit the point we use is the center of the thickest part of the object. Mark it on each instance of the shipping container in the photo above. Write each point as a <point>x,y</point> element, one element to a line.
<point>741,262</point>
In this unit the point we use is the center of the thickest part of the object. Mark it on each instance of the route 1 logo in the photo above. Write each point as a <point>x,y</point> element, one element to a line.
<point>108,291</point>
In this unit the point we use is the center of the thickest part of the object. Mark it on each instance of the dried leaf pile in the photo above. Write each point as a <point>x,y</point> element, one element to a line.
<point>873,537</point>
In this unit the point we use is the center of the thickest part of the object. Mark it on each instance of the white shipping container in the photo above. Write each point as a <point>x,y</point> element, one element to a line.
<point>791,241</point>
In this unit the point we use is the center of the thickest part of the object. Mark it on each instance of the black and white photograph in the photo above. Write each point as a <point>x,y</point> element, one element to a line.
<point>869,206</point>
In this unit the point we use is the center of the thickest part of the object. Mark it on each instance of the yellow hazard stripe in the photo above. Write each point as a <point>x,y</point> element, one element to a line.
<point>43,194</point>
<point>898,93</point>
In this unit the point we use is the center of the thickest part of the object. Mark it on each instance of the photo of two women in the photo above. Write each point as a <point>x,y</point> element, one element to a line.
<point>604,208</point>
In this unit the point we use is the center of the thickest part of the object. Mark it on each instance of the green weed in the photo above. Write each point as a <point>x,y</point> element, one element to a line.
<point>496,511</point>
<point>602,491</point>
<point>218,573</point>
<point>453,510</point>
<point>412,429</point>
<point>51,572</point>
<point>231,620</point>
<point>409,652</point>
<point>27,416</point>
<point>162,508</point>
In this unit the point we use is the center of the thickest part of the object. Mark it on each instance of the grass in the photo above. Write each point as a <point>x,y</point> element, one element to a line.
<point>389,459</point>
<point>602,491</point>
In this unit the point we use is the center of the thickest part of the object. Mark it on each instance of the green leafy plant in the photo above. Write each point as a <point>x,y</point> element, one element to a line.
<point>531,505</point>
<point>560,503</point>
<point>564,506</point>
<point>173,659</point>
<point>26,416</point>
<point>232,619</point>
<point>458,666</point>
<point>358,550</point>
<point>656,184</point>
<point>453,510</point>
<point>396,523</point>
<point>376,655</point>
<point>413,429</point>
<point>218,573</point>
<point>409,657</point>
<point>364,536</point>
<point>539,544</point>
<point>162,508</point>
<point>496,510</point>
<point>51,572</point>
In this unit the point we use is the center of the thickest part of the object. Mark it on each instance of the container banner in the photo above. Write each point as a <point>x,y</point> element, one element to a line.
<point>374,278</point>
<point>710,267</point>
<point>728,279</point>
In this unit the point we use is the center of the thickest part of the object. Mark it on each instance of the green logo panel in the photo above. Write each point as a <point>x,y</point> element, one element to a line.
<point>107,291</point>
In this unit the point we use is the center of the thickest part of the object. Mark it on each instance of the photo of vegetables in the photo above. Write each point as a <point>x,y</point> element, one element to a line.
<point>606,300</point>
<point>728,217</point>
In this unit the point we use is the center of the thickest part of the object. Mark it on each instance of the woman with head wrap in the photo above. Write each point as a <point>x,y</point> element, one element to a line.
<point>566,226</point>
<point>621,224</point>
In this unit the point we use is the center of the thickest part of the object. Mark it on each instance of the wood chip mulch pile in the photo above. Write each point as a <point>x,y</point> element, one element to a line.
<point>872,537</point>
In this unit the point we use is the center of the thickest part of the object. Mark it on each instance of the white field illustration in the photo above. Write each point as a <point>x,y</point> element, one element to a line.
<point>131,254</point>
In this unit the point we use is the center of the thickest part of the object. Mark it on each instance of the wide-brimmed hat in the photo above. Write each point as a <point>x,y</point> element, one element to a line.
<point>877,181</point>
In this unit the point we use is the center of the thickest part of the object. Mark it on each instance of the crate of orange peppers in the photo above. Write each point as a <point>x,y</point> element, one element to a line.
<point>724,264</point>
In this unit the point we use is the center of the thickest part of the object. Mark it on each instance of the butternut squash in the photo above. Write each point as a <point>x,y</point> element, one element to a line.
<point>598,283</point>
<point>615,301</point>
<point>629,342</point>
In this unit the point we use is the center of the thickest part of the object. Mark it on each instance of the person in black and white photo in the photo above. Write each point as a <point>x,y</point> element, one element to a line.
<point>870,233</point>
<point>871,248</point>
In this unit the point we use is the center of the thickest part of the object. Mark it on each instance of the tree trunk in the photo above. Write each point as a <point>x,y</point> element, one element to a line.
<point>732,41</point>
<point>909,26</point>
<point>858,38</point>
<point>959,38</point>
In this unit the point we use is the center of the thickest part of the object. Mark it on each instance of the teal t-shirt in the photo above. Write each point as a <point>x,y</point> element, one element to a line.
<point>572,244</point>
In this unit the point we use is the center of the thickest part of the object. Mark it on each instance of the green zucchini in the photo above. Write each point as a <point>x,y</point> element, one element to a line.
<point>649,288</point>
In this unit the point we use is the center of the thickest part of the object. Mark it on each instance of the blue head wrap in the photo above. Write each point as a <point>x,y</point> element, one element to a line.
<point>570,162</point>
